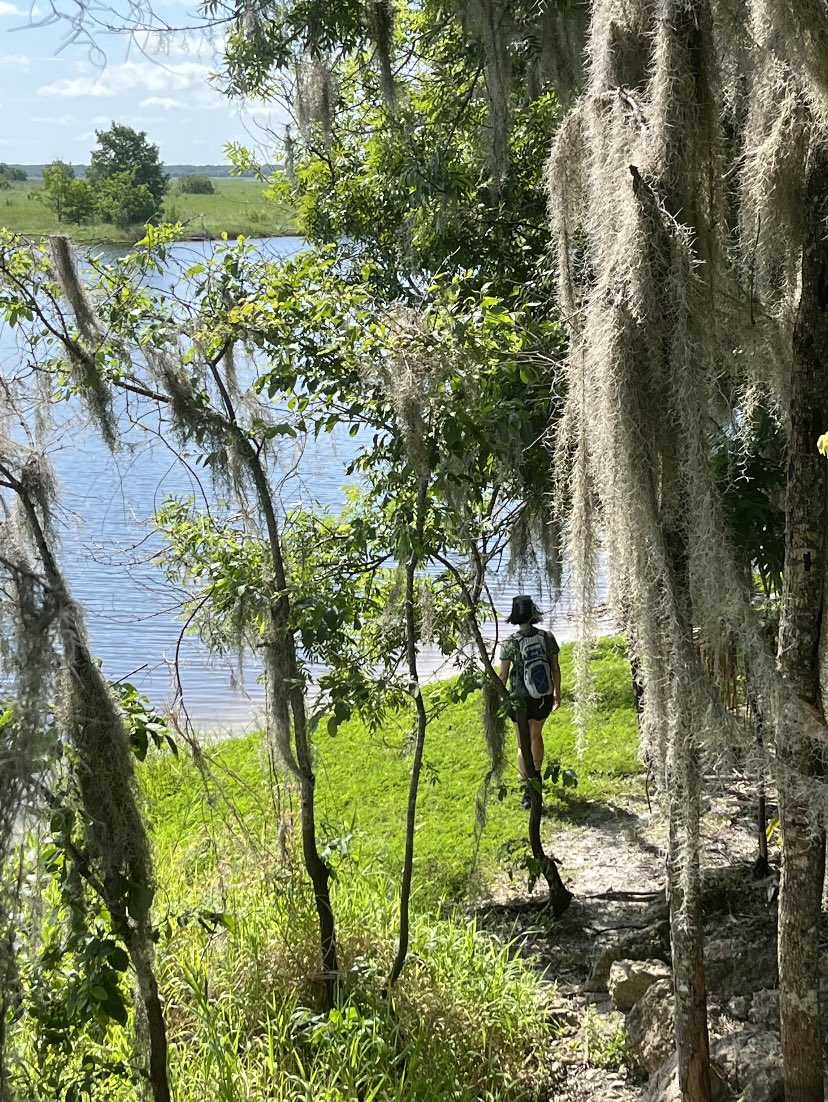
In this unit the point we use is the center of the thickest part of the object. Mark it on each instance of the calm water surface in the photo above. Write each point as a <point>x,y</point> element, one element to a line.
<point>106,505</point>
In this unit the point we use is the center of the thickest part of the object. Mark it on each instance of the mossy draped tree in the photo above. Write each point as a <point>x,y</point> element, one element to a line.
<point>113,857</point>
<point>657,304</point>
<point>198,393</point>
<point>802,643</point>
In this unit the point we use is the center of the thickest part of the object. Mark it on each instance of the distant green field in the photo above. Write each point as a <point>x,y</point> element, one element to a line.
<point>236,207</point>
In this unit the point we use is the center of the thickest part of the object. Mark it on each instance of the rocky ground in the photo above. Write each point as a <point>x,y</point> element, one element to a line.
<point>606,961</point>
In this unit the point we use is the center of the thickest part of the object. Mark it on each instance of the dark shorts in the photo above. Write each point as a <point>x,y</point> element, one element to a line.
<point>536,707</point>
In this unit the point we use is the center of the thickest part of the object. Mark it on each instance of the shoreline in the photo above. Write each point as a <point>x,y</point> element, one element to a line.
<point>434,667</point>
<point>197,235</point>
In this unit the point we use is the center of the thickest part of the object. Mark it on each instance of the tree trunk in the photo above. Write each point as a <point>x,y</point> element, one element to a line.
<point>140,956</point>
<point>422,723</point>
<point>800,627</point>
<point>318,870</point>
<point>290,691</point>
<point>686,933</point>
<point>559,895</point>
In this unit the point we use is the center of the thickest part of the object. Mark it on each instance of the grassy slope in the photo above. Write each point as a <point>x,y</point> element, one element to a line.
<point>363,783</point>
<point>236,207</point>
<point>467,1023</point>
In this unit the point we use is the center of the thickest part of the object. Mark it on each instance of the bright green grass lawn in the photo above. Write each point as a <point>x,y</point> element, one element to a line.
<point>363,785</point>
<point>237,207</point>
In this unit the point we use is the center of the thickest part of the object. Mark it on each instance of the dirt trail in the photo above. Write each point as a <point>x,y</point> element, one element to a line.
<point>614,864</point>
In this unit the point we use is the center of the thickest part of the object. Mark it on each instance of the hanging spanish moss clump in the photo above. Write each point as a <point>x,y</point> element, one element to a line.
<point>642,206</point>
<point>314,96</point>
<point>410,377</point>
<point>279,675</point>
<point>797,31</point>
<point>28,611</point>
<point>489,21</point>
<point>535,550</point>
<point>80,354</point>
<point>775,144</point>
<point>183,388</point>
<point>381,26</point>
<point>115,859</point>
<point>65,268</point>
<point>562,32</point>
<point>667,336</point>
<point>494,730</point>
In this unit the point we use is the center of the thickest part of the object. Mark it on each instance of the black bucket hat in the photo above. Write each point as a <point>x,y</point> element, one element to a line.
<point>524,610</point>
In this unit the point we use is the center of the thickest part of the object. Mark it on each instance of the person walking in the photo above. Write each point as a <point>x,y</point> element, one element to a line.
<point>530,668</point>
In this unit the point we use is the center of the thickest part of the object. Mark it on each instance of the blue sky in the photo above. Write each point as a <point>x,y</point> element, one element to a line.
<point>54,94</point>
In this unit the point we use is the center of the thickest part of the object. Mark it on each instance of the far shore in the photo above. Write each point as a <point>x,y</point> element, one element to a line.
<point>195,235</point>
<point>237,208</point>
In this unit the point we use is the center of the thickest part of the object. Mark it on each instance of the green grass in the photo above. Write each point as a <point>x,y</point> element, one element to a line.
<point>236,207</point>
<point>238,954</point>
<point>362,783</point>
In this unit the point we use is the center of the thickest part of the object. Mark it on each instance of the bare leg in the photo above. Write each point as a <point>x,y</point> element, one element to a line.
<point>536,734</point>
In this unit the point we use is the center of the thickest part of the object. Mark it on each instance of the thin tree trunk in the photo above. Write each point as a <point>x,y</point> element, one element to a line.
<point>800,626</point>
<point>686,933</point>
<point>422,723</point>
<point>559,895</point>
<point>154,1014</point>
<point>282,647</point>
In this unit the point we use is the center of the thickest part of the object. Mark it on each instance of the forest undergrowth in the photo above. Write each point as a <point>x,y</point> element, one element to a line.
<point>468,1018</point>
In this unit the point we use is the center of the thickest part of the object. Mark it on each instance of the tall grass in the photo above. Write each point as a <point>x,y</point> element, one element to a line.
<point>244,1025</point>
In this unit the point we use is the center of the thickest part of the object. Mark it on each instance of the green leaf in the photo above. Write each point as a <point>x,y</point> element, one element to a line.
<point>118,958</point>
<point>139,900</point>
<point>229,922</point>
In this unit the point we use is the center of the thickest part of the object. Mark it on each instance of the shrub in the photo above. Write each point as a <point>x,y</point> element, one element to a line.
<point>195,185</point>
<point>123,202</point>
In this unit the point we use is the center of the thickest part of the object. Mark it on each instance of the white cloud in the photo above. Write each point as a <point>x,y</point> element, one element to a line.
<point>9,9</point>
<point>53,120</point>
<point>20,60</point>
<point>165,102</point>
<point>131,76</point>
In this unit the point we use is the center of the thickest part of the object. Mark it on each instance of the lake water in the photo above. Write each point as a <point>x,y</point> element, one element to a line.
<point>107,548</point>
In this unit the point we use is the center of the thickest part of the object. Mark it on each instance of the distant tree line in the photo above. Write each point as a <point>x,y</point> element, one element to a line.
<point>11,174</point>
<point>212,172</point>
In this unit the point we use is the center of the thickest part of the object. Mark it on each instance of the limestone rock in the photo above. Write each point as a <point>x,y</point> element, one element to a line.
<point>650,943</point>
<point>651,1026</point>
<point>739,1007</point>
<point>734,966</point>
<point>663,1086</point>
<point>751,1064</point>
<point>629,979</point>
<point>764,1009</point>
